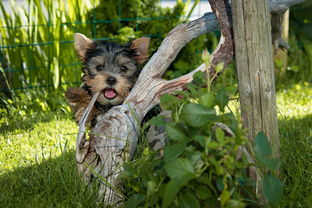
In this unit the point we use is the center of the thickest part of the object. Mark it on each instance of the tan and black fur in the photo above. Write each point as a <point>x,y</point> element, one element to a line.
<point>108,68</point>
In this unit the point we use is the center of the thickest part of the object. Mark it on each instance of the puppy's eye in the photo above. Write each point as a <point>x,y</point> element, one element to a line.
<point>100,68</point>
<point>123,68</point>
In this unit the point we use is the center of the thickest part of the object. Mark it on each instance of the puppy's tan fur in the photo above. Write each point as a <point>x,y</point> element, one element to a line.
<point>103,61</point>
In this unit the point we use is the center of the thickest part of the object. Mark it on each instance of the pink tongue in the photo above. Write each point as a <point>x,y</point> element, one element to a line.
<point>109,93</point>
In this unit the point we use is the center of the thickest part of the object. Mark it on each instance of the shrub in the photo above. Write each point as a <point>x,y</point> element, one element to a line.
<point>198,167</point>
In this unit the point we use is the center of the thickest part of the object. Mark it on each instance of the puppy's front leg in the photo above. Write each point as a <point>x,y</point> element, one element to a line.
<point>78,100</point>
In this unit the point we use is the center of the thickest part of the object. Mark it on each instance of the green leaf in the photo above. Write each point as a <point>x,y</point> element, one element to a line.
<point>193,89</point>
<point>135,200</point>
<point>196,159</point>
<point>203,192</point>
<point>235,204</point>
<point>220,67</point>
<point>220,184</point>
<point>262,146</point>
<point>56,73</point>
<point>263,152</point>
<point>272,163</point>
<point>188,200</point>
<point>201,140</point>
<point>157,121</point>
<point>170,192</point>
<point>179,167</point>
<point>171,152</point>
<point>151,186</point>
<point>173,187</point>
<point>175,132</point>
<point>231,90</point>
<point>198,78</point>
<point>168,102</point>
<point>207,100</point>
<point>214,145</point>
<point>222,99</point>
<point>220,135</point>
<point>272,189</point>
<point>224,197</point>
<point>197,115</point>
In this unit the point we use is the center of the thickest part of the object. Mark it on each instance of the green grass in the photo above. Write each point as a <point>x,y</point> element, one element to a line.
<point>37,164</point>
<point>295,124</point>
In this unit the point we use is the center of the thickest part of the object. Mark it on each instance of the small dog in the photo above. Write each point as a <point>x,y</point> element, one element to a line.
<point>108,68</point>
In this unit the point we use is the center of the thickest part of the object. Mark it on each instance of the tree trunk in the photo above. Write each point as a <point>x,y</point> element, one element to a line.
<point>254,58</point>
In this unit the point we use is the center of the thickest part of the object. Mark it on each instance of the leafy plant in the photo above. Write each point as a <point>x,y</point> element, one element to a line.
<point>37,55</point>
<point>272,187</point>
<point>198,167</point>
<point>37,48</point>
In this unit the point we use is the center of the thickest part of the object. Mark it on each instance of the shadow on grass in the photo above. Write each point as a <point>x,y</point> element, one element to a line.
<point>296,157</point>
<point>52,183</point>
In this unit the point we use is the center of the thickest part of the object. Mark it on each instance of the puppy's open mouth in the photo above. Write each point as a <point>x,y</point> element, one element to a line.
<point>109,93</point>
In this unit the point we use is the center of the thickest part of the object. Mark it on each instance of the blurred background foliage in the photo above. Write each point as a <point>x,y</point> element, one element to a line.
<point>299,65</point>
<point>37,58</point>
<point>38,61</point>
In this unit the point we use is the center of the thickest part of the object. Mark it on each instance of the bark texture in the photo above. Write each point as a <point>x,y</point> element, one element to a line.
<point>255,68</point>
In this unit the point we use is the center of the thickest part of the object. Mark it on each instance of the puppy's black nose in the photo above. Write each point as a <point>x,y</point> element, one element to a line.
<point>111,80</point>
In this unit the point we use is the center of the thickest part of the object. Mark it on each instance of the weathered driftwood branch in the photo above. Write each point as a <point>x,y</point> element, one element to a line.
<point>114,138</point>
<point>280,6</point>
<point>120,126</point>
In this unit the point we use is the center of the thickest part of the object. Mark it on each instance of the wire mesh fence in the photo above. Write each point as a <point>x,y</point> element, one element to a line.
<point>36,47</point>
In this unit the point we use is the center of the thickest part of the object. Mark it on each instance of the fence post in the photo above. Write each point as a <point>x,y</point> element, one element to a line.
<point>254,58</point>
<point>280,56</point>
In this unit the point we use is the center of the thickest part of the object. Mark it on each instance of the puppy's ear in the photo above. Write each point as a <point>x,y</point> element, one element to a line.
<point>140,46</point>
<point>82,44</point>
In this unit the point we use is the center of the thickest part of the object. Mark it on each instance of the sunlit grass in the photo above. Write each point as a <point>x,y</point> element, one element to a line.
<point>44,136</point>
<point>38,169</point>
<point>37,164</point>
<point>295,101</point>
<point>295,127</point>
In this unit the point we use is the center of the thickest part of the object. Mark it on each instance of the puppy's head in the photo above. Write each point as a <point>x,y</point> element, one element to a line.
<point>110,68</point>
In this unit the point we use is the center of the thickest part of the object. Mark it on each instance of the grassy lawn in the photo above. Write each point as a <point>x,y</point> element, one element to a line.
<point>295,124</point>
<point>37,165</point>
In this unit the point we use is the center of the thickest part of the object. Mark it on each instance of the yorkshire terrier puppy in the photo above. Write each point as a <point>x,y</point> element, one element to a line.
<point>108,68</point>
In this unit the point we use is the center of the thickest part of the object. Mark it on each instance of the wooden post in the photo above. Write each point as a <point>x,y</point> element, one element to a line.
<point>254,58</point>
<point>280,55</point>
